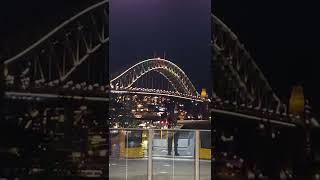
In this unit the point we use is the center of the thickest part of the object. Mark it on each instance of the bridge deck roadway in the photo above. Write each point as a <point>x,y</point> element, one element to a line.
<point>198,99</point>
<point>45,96</point>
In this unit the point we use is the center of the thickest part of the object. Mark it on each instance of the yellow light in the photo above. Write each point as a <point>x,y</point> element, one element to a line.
<point>203,92</point>
<point>296,103</point>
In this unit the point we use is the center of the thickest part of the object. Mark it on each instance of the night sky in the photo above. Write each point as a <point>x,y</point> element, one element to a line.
<point>24,22</point>
<point>283,37</point>
<point>140,28</point>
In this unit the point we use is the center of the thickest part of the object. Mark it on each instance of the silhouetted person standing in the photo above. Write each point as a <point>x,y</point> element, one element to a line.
<point>172,122</point>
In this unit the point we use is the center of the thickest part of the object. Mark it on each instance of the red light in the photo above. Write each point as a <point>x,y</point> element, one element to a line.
<point>163,122</point>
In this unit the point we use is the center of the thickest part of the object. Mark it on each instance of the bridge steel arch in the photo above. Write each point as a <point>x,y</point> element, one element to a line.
<point>176,76</point>
<point>56,56</point>
<point>236,77</point>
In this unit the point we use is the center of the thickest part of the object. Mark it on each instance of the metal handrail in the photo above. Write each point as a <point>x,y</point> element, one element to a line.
<point>150,148</point>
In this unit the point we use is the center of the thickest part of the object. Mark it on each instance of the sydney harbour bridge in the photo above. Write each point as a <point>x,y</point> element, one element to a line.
<point>180,84</point>
<point>66,71</point>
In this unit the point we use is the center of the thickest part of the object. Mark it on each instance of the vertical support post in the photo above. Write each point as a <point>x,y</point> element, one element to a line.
<point>50,69</point>
<point>78,44</point>
<point>88,75</point>
<point>152,82</point>
<point>127,149</point>
<point>33,71</point>
<point>150,169</point>
<point>197,155</point>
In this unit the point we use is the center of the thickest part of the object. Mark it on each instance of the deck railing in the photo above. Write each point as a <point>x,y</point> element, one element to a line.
<point>132,156</point>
